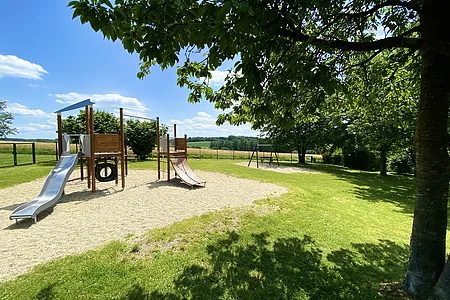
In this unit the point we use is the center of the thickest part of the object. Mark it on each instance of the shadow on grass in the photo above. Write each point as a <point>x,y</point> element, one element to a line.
<point>370,186</point>
<point>49,163</point>
<point>397,190</point>
<point>47,293</point>
<point>289,268</point>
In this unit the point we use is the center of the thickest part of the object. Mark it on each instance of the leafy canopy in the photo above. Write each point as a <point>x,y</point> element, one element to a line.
<point>104,122</point>
<point>282,50</point>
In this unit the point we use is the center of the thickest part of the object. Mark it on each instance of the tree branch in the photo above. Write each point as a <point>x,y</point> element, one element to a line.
<point>362,63</point>
<point>386,43</point>
<point>408,5</point>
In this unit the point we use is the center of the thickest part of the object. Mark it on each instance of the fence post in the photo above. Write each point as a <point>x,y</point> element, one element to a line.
<point>15,154</point>
<point>233,154</point>
<point>33,151</point>
<point>291,157</point>
<point>217,153</point>
<point>200,155</point>
<point>56,150</point>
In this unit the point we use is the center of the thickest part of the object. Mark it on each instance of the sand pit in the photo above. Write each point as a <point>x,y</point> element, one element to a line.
<point>275,168</point>
<point>83,221</point>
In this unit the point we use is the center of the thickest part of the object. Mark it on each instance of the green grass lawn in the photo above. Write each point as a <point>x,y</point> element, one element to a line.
<point>201,144</point>
<point>7,159</point>
<point>15,175</point>
<point>340,234</point>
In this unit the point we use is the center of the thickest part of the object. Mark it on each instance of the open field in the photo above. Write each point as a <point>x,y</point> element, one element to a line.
<point>200,144</point>
<point>336,234</point>
<point>46,151</point>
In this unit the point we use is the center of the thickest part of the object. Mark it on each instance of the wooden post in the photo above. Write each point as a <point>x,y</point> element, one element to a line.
<point>116,163</point>
<point>122,151</point>
<point>15,154</point>
<point>81,169</point>
<point>257,158</point>
<point>168,158</point>
<point>174,131</point>
<point>126,160</point>
<point>88,130</point>
<point>33,151</point>
<point>158,154</point>
<point>185,146</point>
<point>59,118</point>
<point>92,162</point>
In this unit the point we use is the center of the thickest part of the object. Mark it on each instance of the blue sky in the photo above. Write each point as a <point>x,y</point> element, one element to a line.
<point>48,61</point>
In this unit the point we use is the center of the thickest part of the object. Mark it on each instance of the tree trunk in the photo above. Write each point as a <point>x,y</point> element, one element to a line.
<point>427,257</point>
<point>442,288</point>
<point>383,162</point>
<point>301,154</point>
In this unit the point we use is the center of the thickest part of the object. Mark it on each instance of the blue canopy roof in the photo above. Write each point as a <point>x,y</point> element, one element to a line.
<point>76,105</point>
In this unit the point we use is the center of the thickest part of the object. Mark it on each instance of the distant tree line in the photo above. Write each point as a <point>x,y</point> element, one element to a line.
<point>242,143</point>
<point>235,143</point>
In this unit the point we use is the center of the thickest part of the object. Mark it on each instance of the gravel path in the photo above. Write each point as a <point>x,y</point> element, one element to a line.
<point>82,220</point>
<point>280,169</point>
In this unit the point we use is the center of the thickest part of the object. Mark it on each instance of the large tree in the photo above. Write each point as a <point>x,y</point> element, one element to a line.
<point>6,121</point>
<point>306,134</point>
<point>286,48</point>
<point>381,103</point>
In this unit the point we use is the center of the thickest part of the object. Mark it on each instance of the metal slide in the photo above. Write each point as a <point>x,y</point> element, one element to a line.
<point>185,173</point>
<point>52,190</point>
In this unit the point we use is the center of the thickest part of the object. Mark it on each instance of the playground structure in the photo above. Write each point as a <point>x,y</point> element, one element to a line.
<point>94,147</point>
<point>261,148</point>
<point>174,153</point>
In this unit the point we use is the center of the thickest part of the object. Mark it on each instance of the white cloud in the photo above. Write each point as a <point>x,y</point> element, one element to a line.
<point>13,66</point>
<point>22,110</point>
<point>33,85</point>
<point>203,114</point>
<point>46,129</point>
<point>25,129</point>
<point>217,79</point>
<point>112,101</point>
<point>42,125</point>
<point>203,124</point>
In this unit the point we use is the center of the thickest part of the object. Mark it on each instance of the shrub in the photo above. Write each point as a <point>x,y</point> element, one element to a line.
<point>360,159</point>
<point>140,137</point>
<point>333,157</point>
<point>402,162</point>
